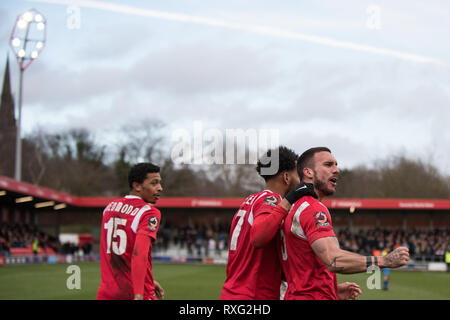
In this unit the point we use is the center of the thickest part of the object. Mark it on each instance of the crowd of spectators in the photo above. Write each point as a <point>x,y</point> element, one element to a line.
<point>201,240</point>
<point>423,245</point>
<point>23,236</point>
<point>205,240</point>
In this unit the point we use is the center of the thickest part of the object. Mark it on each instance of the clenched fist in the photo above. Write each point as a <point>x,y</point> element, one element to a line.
<point>397,258</point>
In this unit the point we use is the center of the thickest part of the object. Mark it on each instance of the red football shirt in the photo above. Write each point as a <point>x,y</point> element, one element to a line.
<point>252,274</point>
<point>306,275</point>
<point>122,220</point>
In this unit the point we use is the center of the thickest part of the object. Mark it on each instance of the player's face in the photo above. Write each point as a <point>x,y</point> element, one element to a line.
<point>325,173</point>
<point>150,189</point>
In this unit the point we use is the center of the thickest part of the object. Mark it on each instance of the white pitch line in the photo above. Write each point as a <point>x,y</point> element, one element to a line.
<point>259,29</point>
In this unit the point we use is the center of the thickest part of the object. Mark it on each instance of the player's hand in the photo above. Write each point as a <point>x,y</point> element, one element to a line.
<point>397,258</point>
<point>138,297</point>
<point>300,190</point>
<point>348,291</point>
<point>159,291</point>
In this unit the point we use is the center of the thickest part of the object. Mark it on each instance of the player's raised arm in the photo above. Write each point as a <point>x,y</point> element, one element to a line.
<point>341,261</point>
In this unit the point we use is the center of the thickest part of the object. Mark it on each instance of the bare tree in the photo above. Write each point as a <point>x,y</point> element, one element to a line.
<point>71,161</point>
<point>143,142</point>
<point>395,177</point>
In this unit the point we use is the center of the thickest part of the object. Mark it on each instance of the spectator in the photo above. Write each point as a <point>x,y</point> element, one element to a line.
<point>35,246</point>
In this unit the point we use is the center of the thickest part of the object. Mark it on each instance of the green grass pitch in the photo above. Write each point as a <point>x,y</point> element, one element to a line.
<point>195,282</point>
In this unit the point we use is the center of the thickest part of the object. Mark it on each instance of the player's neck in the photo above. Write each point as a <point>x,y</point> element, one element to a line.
<point>276,188</point>
<point>134,193</point>
<point>319,193</point>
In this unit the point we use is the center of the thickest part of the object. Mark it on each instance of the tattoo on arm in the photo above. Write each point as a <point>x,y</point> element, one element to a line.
<point>333,266</point>
<point>391,258</point>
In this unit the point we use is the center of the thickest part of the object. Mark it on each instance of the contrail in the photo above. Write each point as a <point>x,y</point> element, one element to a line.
<point>259,29</point>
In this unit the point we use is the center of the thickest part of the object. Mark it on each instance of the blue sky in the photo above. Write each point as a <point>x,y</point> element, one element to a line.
<point>368,79</point>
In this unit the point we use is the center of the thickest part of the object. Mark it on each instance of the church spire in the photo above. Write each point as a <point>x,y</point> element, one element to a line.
<point>7,119</point>
<point>8,128</point>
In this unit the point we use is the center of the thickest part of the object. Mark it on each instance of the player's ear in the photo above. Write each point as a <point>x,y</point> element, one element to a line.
<point>308,172</point>
<point>137,186</point>
<point>286,177</point>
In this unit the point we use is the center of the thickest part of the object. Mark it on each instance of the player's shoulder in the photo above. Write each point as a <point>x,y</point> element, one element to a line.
<point>257,194</point>
<point>267,197</point>
<point>316,211</point>
<point>309,209</point>
<point>270,198</point>
<point>253,197</point>
<point>149,215</point>
<point>153,210</point>
<point>256,199</point>
<point>148,207</point>
<point>309,204</point>
<point>316,204</point>
<point>268,193</point>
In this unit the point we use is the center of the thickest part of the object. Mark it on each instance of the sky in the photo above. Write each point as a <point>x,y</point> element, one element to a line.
<point>368,79</point>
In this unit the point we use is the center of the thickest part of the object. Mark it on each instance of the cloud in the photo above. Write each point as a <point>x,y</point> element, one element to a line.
<point>363,106</point>
<point>174,73</point>
<point>112,41</point>
<point>56,88</point>
<point>5,32</point>
<point>200,69</point>
<point>348,152</point>
<point>260,29</point>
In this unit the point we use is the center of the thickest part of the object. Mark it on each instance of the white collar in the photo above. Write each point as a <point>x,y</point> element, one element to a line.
<point>132,197</point>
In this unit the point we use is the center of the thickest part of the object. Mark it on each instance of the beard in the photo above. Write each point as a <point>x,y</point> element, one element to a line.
<point>322,186</point>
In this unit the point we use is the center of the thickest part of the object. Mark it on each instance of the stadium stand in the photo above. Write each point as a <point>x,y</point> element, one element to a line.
<point>18,239</point>
<point>23,240</point>
<point>197,228</point>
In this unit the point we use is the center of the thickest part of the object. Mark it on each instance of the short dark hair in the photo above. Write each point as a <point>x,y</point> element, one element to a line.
<point>305,160</point>
<point>139,172</point>
<point>287,161</point>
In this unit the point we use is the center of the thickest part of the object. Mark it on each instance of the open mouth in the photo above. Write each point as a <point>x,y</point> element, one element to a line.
<point>333,181</point>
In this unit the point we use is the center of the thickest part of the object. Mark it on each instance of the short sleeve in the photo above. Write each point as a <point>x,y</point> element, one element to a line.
<point>316,224</point>
<point>149,223</point>
<point>265,204</point>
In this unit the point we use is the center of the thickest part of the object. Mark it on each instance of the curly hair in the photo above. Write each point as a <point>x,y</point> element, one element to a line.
<point>138,172</point>
<point>287,161</point>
